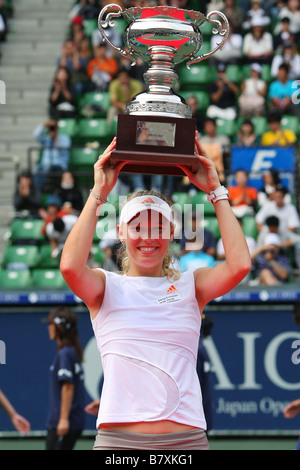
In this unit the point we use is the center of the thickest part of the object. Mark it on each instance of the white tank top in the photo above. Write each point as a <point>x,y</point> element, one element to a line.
<point>147,332</point>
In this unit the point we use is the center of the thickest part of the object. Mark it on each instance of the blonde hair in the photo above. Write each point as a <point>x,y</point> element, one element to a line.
<point>172,273</point>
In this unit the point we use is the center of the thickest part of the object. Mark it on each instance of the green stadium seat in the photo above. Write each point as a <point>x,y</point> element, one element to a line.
<point>20,257</point>
<point>46,262</point>
<point>94,129</point>
<point>201,95</point>
<point>249,226</point>
<point>260,124</point>
<point>199,74</point>
<point>226,127</point>
<point>15,279</point>
<point>83,157</point>
<point>212,224</point>
<point>27,231</point>
<point>48,278</point>
<point>201,198</point>
<point>89,25</point>
<point>181,198</point>
<point>234,73</point>
<point>68,126</point>
<point>99,99</point>
<point>291,122</point>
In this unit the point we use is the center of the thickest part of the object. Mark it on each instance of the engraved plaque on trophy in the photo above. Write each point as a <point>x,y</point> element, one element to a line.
<point>157,131</point>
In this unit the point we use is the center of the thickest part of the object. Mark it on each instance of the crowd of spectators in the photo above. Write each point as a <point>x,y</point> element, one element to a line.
<point>264,36</point>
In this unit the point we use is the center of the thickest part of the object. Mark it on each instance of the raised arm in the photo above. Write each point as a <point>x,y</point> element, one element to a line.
<point>87,283</point>
<point>214,282</point>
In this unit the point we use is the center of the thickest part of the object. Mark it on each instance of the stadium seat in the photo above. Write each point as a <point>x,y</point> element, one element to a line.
<point>27,231</point>
<point>199,74</point>
<point>68,126</point>
<point>94,129</point>
<point>234,73</point>
<point>201,198</point>
<point>291,122</point>
<point>48,278</point>
<point>20,257</point>
<point>15,279</point>
<point>250,227</point>
<point>226,127</point>
<point>181,198</point>
<point>99,99</point>
<point>46,262</point>
<point>260,124</point>
<point>212,224</point>
<point>89,25</point>
<point>201,95</point>
<point>83,157</point>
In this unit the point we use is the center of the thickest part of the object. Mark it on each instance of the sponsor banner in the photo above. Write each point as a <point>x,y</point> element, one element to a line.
<point>254,352</point>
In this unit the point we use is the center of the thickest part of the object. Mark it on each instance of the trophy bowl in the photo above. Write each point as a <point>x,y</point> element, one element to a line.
<point>162,36</point>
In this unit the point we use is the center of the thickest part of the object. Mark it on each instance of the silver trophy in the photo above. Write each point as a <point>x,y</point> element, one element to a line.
<point>162,37</point>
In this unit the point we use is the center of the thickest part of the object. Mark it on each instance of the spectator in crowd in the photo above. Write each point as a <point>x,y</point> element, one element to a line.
<point>62,98</point>
<point>289,57</point>
<point>281,91</point>
<point>285,35</point>
<point>58,230</point>
<point>271,181</point>
<point>208,242</point>
<point>53,211</point>
<point>101,69</point>
<point>271,266</point>
<point>290,10</point>
<point>66,416</point>
<point>243,198</point>
<point>192,101</point>
<point>255,12</point>
<point>233,13</point>
<point>231,51</point>
<point>246,136</point>
<point>77,34</point>
<point>114,36</point>
<point>55,152</point>
<point>277,136</point>
<point>254,89</point>
<point>19,422</point>
<point>258,43</point>
<point>69,193</point>
<point>89,10</point>
<point>122,89</point>
<point>27,197</point>
<point>289,221</point>
<point>223,94</point>
<point>74,63</point>
<point>195,257</point>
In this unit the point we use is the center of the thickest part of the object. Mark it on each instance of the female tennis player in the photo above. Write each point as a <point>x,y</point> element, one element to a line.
<point>147,319</point>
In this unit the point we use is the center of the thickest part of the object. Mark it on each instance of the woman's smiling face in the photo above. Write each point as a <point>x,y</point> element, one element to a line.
<point>147,237</point>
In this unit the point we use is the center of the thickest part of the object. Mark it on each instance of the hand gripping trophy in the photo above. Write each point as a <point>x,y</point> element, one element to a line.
<point>157,131</point>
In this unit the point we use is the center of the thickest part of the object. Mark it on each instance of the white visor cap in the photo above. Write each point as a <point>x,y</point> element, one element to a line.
<point>142,203</point>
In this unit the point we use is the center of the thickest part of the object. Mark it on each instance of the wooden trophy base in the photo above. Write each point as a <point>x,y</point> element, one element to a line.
<point>155,145</point>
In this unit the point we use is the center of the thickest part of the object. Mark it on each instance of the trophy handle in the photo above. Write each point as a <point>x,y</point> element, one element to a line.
<point>109,22</point>
<point>218,30</point>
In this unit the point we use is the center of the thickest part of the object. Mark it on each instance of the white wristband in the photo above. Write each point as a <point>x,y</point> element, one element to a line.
<point>217,194</point>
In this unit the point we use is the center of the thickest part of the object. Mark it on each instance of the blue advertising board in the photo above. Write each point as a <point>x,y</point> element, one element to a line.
<point>254,350</point>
